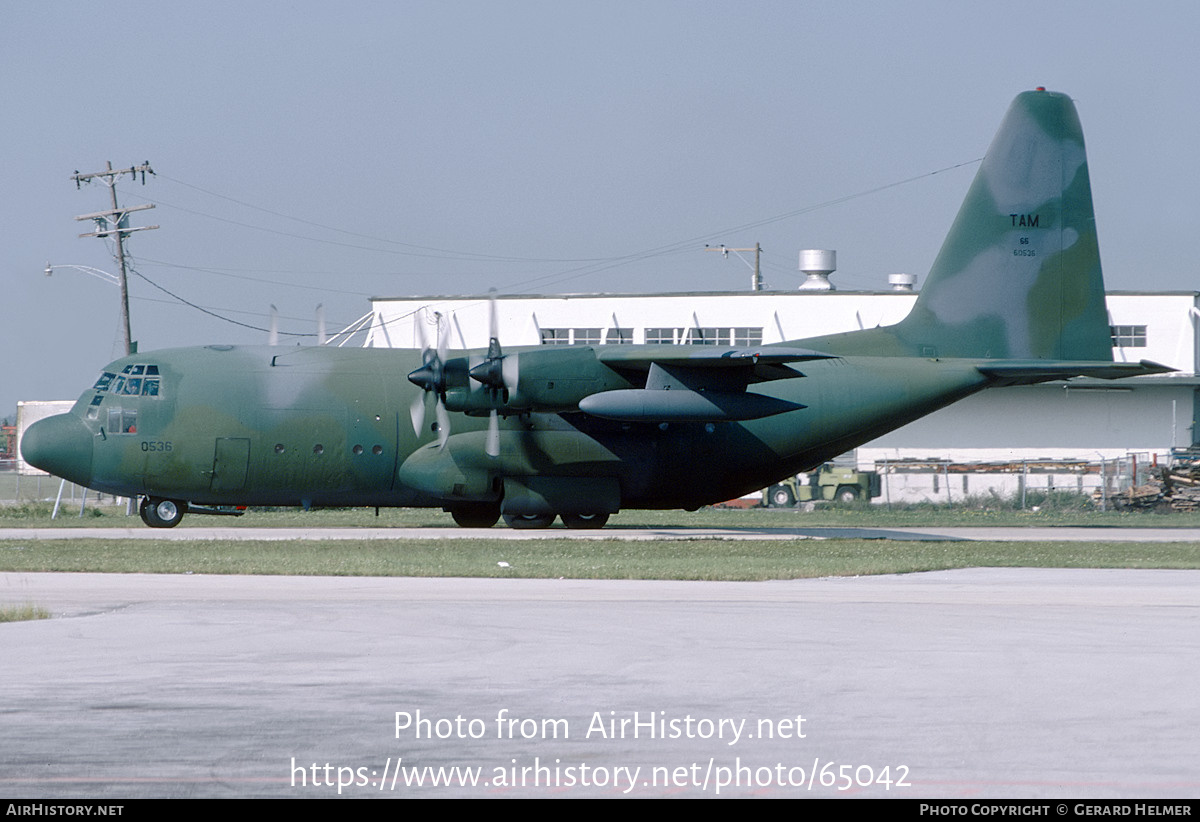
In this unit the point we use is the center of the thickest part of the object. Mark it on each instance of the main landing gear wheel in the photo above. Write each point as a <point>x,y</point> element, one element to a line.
<point>576,521</point>
<point>476,516</point>
<point>162,513</point>
<point>525,522</point>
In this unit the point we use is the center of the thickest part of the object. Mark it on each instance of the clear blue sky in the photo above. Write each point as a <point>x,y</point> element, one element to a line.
<point>323,153</point>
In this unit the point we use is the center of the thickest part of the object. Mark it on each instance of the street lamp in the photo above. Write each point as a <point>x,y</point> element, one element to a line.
<point>111,279</point>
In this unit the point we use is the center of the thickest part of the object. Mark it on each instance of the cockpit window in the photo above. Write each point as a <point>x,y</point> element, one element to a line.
<point>138,379</point>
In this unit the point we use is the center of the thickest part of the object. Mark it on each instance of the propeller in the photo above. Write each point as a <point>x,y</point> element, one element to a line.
<point>490,372</point>
<point>431,378</point>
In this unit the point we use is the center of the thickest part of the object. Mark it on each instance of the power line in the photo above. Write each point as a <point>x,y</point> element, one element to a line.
<point>439,253</point>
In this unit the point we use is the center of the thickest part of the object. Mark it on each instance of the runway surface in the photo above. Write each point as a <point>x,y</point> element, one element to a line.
<point>963,684</point>
<point>1004,534</point>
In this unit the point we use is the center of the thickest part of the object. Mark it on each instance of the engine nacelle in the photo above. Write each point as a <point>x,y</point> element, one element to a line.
<point>545,380</point>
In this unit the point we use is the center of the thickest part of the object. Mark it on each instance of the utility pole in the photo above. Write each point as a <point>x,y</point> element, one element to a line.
<point>115,223</point>
<point>756,283</point>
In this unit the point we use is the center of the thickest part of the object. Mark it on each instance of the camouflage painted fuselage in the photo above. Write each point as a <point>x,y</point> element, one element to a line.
<point>261,426</point>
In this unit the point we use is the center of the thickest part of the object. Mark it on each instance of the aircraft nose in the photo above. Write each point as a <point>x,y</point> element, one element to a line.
<point>60,445</point>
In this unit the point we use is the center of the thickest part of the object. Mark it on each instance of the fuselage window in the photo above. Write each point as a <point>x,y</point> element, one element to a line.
<point>122,420</point>
<point>103,383</point>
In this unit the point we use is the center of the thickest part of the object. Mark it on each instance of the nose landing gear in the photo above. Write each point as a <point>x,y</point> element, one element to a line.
<point>162,513</point>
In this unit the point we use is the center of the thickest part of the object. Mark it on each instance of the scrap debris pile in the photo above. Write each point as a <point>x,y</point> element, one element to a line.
<point>1175,488</point>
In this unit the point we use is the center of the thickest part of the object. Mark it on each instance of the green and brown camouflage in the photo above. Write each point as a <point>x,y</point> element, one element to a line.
<point>1015,296</point>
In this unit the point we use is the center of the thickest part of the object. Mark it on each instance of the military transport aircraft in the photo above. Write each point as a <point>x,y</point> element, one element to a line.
<point>1014,297</point>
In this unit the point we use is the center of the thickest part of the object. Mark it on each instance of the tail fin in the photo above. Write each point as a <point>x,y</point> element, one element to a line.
<point>1018,276</point>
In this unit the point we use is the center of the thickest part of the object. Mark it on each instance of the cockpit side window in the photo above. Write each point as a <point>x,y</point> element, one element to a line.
<point>122,421</point>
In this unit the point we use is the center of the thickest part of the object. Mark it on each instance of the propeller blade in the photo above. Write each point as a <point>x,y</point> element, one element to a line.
<point>417,412</point>
<point>493,320</point>
<point>419,326</point>
<point>492,444</point>
<point>273,332</point>
<point>443,339</point>
<point>321,337</point>
<point>443,422</point>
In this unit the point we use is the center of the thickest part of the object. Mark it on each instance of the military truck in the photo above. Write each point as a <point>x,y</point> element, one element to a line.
<point>830,482</point>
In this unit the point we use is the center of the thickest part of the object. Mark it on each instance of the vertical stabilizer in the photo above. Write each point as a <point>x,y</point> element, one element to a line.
<point>1018,276</point>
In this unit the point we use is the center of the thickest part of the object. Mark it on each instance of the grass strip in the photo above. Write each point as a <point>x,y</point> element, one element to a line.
<point>699,559</point>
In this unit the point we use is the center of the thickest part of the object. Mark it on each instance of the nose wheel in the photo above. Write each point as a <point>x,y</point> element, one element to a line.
<point>162,513</point>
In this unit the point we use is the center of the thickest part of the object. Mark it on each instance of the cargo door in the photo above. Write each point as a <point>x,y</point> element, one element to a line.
<point>230,463</point>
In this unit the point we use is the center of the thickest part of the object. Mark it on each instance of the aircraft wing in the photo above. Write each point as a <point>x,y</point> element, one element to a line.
<point>696,383</point>
<point>762,363</point>
<point>1028,372</point>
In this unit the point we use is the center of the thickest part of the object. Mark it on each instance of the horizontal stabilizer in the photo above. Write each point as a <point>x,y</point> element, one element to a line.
<point>1027,372</point>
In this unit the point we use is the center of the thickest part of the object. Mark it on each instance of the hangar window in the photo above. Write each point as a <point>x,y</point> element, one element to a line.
<point>1128,336</point>
<point>618,336</point>
<point>556,336</point>
<point>707,336</point>
<point>663,336</point>
<point>571,336</point>
<point>746,336</point>
<point>724,336</point>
